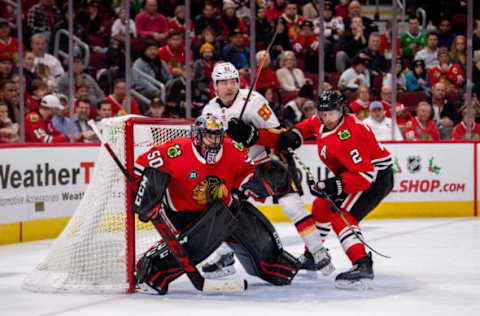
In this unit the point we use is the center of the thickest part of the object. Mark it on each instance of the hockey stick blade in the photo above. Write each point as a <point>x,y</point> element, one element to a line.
<point>333,205</point>
<point>179,253</point>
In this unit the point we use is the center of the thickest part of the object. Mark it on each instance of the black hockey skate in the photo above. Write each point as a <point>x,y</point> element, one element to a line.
<point>223,266</point>
<point>320,261</point>
<point>359,276</point>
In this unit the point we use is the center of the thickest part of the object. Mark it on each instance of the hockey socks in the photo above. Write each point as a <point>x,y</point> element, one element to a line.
<point>352,246</point>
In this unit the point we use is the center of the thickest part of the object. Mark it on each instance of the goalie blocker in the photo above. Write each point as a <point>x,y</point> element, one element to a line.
<point>253,238</point>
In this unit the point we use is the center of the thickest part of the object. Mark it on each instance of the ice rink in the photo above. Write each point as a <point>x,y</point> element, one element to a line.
<point>434,270</point>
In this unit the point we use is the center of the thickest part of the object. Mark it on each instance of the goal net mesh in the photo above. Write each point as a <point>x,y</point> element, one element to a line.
<point>91,254</point>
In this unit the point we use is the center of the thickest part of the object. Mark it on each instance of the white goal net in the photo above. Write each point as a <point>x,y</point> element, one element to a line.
<point>97,250</point>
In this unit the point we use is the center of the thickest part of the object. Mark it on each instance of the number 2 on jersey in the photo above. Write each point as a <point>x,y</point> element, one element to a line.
<point>355,156</point>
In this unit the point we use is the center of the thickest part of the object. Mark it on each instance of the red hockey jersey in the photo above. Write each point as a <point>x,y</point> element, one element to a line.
<point>191,176</point>
<point>453,76</point>
<point>414,130</point>
<point>350,151</point>
<point>38,130</point>
<point>460,131</point>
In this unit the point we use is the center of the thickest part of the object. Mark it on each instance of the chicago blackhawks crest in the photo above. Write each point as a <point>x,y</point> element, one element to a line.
<point>344,135</point>
<point>210,189</point>
<point>174,151</point>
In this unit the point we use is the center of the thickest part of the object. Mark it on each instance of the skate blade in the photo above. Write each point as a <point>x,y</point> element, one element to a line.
<point>146,289</point>
<point>327,270</point>
<point>362,285</point>
<point>220,273</point>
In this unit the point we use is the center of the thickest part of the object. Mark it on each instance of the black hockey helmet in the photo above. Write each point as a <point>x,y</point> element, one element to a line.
<point>330,100</point>
<point>207,124</point>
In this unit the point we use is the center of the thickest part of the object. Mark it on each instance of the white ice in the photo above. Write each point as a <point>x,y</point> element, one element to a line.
<point>434,270</point>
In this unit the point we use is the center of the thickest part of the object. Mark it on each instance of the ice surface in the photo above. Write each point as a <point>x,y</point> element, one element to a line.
<point>434,270</point>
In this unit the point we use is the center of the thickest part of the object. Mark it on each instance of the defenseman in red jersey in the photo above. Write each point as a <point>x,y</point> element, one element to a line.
<point>363,178</point>
<point>202,171</point>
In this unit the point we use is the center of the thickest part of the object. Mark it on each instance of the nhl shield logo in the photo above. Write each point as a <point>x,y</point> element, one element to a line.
<point>193,174</point>
<point>414,164</point>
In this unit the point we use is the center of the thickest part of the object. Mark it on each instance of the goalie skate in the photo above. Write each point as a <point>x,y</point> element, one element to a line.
<point>319,261</point>
<point>360,276</point>
<point>223,266</point>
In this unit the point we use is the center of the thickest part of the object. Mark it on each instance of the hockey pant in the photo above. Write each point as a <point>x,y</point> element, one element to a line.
<point>158,267</point>
<point>257,246</point>
<point>354,207</point>
<point>272,178</point>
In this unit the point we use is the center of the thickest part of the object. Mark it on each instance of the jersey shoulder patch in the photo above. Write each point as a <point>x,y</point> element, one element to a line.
<point>34,118</point>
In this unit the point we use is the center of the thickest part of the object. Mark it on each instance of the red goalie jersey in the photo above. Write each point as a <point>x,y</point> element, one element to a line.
<point>194,183</point>
<point>350,151</point>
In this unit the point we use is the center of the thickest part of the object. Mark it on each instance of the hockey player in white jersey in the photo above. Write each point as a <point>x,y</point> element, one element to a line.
<point>272,178</point>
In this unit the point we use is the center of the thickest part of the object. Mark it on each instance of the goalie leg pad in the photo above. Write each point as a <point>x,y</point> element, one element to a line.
<point>158,267</point>
<point>259,249</point>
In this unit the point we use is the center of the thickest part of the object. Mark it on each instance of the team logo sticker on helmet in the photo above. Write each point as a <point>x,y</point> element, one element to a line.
<point>209,190</point>
<point>344,135</point>
<point>174,151</point>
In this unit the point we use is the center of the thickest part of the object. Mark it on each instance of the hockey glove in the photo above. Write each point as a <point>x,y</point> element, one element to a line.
<point>242,132</point>
<point>290,139</point>
<point>332,187</point>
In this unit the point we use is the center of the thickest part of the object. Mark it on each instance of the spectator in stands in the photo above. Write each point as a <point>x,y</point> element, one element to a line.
<point>6,66</point>
<point>450,74</point>
<point>177,23</point>
<point>401,78</point>
<point>117,99</point>
<point>353,41</point>
<point>333,27</point>
<point>306,46</point>
<point>444,112</point>
<point>460,130</point>
<point>386,43</point>
<point>269,94</point>
<point>8,44</point>
<point>380,124</point>
<point>310,9</point>
<point>421,127</point>
<point>119,27</point>
<point>299,108</point>
<point>476,36</point>
<point>429,53</point>
<point>356,75</point>
<point>359,107</point>
<point>202,70</point>
<point>207,36</point>
<point>114,65</point>
<point>82,131</point>
<point>445,34</point>
<point>104,109</point>
<point>402,113</point>
<point>151,24</point>
<point>156,109</point>
<point>173,53</point>
<point>289,76</point>
<point>236,52</point>
<point>152,65</point>
<point>82,91</point>
<point>263,28</point>
<point>38,125</point>
<point>354,11</point>
<point>207,19</point>
<point>60,120</point>
<point>341,9</point>
<point>275,9</point>
<point>38,90</point>
<point>292,19</point>
<point>229,21</point>
<point>94,92</point>
<point>282,42</point>
<point>8,130</point>
<point>417,80</point>
<point>95,25</point>
<point>78,31</point>
<point>29,68</point>
<point>458,52</point>
<point>267,77</point>
<point>378,63</point>
<point>10,97</point>
<point>413,40</point>
<point>42,18</point>
<point>48,67</point>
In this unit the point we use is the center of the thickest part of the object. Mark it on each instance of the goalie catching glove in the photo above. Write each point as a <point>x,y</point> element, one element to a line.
<point>242,132</point>
<point>333,187</point>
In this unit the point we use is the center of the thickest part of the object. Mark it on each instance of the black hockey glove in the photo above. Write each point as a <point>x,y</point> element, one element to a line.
<point>242,132</point>
<point>290,139</point>
<point>333,187</point>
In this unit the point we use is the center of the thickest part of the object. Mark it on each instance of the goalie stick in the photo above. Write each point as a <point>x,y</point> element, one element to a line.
<point>311,180</point>
<point>168,235</point>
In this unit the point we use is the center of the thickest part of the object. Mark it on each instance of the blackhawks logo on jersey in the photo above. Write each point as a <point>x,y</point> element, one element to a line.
<point>174,151</point>
<point>344,135</point>
<point>209,190</point>
<point>34,118</point>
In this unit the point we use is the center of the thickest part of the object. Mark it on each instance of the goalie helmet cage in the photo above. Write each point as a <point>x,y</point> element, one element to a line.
<point>97,250</point>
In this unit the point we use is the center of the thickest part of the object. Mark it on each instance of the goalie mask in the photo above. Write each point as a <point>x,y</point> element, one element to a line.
<point>207,136</point>
<point>224,71</point>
